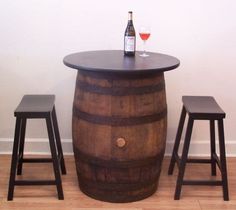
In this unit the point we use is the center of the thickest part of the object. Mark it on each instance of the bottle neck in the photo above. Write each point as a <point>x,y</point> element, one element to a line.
<point>130,17</point>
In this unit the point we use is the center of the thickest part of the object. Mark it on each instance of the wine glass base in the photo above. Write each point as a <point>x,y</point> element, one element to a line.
<point>144,55</point>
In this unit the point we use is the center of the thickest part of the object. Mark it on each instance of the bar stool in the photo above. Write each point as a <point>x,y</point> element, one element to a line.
<point>36,106</point>
<point>200,108</point>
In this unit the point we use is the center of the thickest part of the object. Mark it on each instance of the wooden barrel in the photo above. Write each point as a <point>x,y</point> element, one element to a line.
<point>119,134</point>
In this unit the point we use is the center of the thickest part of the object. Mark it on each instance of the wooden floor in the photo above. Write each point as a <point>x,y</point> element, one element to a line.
<point>45,197</point>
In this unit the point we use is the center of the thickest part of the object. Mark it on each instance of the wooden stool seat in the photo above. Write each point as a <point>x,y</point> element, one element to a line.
<point>203,107</point>
<point>200,108</point>
<point>36,106</point>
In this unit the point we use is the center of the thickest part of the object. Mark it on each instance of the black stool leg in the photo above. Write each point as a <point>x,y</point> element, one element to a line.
<point>213,147</point>
<point>14,158</point>
<point>177,141</point>
<point>223,160</point>
<point>183,159</point>
<point>54,157</point>
<point>58,141</point>
<point>21,147</point>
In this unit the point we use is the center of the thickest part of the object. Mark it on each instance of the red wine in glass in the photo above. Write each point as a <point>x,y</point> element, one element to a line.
<point>144,36</point>
<point>144,33</point>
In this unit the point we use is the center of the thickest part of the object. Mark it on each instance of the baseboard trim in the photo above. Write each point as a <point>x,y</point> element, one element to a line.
<point>202,148</point>
<point>40,146</point>
<point>37,146</point>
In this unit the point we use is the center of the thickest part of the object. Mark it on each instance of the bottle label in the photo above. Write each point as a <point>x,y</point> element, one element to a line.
<point>129,43</point>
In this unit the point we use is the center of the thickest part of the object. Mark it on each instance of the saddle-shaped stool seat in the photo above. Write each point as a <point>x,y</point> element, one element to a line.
<point>36,106</point>
<point>200,108</point>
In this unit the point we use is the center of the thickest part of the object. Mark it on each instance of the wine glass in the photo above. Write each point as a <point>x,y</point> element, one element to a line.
<point>144,33</point>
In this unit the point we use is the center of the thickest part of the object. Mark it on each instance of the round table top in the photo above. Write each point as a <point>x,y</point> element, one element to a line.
<point>115,61</point>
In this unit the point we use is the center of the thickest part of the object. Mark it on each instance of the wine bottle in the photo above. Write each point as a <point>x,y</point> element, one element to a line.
<point>129,38</point>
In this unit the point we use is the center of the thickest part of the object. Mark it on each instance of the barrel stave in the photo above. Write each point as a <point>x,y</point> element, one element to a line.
<point>119,133</point>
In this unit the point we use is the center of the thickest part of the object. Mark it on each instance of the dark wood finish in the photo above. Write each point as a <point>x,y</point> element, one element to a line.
<point>114,61</point>
<point>119,122</point>
<point>21,147</point>
<point>183,159</point>
<point>223,167</point>
<point>203,107</point>
<point>58,141</point>
<point>177,140</point>
<point>36,106</point>
<point>213,147</point>
<point>199,108</point>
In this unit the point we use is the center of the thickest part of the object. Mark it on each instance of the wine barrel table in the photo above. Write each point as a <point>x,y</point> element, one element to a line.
<point>119,122</point>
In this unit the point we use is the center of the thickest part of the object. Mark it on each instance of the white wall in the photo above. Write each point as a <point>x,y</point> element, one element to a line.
<point>35,35</point>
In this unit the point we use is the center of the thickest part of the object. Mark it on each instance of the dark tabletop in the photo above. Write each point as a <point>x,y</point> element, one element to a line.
<point>115,61</point>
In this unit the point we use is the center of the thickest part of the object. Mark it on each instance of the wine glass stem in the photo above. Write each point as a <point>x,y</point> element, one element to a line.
<point>144,46</point>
